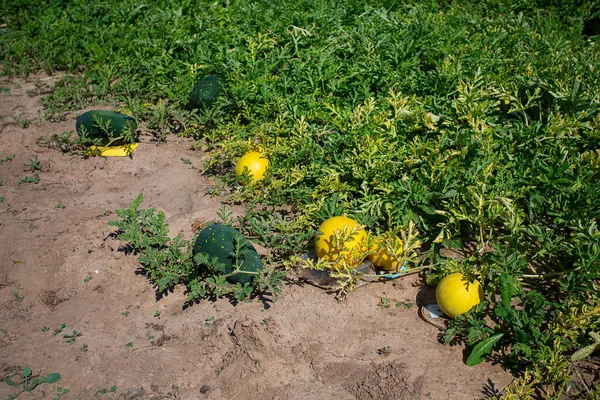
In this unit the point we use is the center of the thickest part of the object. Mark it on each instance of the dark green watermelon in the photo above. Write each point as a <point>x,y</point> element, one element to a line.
<point>116,123</point>
<point>219,241</point>
<point>206,90</point>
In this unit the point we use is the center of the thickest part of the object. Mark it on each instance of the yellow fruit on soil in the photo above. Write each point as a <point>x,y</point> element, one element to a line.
<point>456,295</point>
<point>381,257</point>
<point>256,163</point>
<point>352,248</point>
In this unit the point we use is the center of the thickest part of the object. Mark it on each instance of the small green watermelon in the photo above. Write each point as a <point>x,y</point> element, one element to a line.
<point>206,90</point>
<point>219,241</point>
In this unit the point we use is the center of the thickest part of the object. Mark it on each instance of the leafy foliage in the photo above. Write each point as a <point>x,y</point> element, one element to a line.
<point>478,122</point>
<point>168,262</point>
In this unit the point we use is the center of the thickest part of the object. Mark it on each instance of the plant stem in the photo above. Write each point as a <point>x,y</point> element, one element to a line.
<point>395,275</point>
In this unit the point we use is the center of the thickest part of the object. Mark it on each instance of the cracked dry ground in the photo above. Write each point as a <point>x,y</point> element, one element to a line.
<point>60,265</point>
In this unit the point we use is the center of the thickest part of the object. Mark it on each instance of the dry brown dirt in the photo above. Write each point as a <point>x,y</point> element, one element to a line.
<point>60,265</point>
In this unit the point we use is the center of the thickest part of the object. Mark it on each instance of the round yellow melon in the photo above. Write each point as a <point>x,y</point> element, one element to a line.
<point>381,257</point>
<point>256,164</point>
<point>352,248</point>
<point>456,295</point>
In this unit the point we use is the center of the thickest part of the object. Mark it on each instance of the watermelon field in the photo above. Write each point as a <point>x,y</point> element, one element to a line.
<point>305,199</point>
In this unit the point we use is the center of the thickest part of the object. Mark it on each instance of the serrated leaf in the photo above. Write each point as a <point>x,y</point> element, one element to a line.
<point>502,310</point>
<point>482,349</point>
<point>521,336</point>
<point>507,290</point>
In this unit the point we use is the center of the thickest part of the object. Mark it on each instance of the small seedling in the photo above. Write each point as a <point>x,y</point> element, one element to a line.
<point>156,314</point>
<point>28,179</point>
<point>71,337</point>
<point>22,123</point>
<point>30,383</point>
<point>60,329</point>
<point>129,344</point>
<point>45,329</point>
<point>60,205</point>
<point>18,296</point>
<point>86,280</point>
<point>406,304</point>
<point>84,348</point>
<point>384,303</point>
<point>34,164</point>
<point>15,262</point>
<point>7,158</point>
<point>384,351</point>
<point>125,313</point>
<point>113,389</point>
<point>60,392</point>
<point>187,161</point>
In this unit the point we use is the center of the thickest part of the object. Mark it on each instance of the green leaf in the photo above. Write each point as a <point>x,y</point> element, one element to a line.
<point>502,310</point>
<point>521,336</point>
<point>482,349</point>
<point>507,290</point>
<point>26,372</point>
<point>10,382</point>
<point>51,378</point>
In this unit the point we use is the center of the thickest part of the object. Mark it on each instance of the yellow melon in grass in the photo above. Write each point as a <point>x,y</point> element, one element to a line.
<point>353,248</point>
<point>381,256</point>
<point>456,295</point>
<point>255,163</point>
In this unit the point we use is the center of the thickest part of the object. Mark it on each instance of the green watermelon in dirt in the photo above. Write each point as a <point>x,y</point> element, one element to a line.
<point>103,126</point>
<point>221,241</point>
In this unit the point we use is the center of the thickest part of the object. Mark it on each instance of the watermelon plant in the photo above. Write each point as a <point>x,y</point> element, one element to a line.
<point>475,123</point>
<point>221,262</point>
<point>30,382</point>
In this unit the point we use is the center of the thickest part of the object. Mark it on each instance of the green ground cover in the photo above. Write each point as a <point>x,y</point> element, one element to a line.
<point>477,122</point>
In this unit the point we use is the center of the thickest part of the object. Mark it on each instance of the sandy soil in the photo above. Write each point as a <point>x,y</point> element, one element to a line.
<point>59,265</point>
